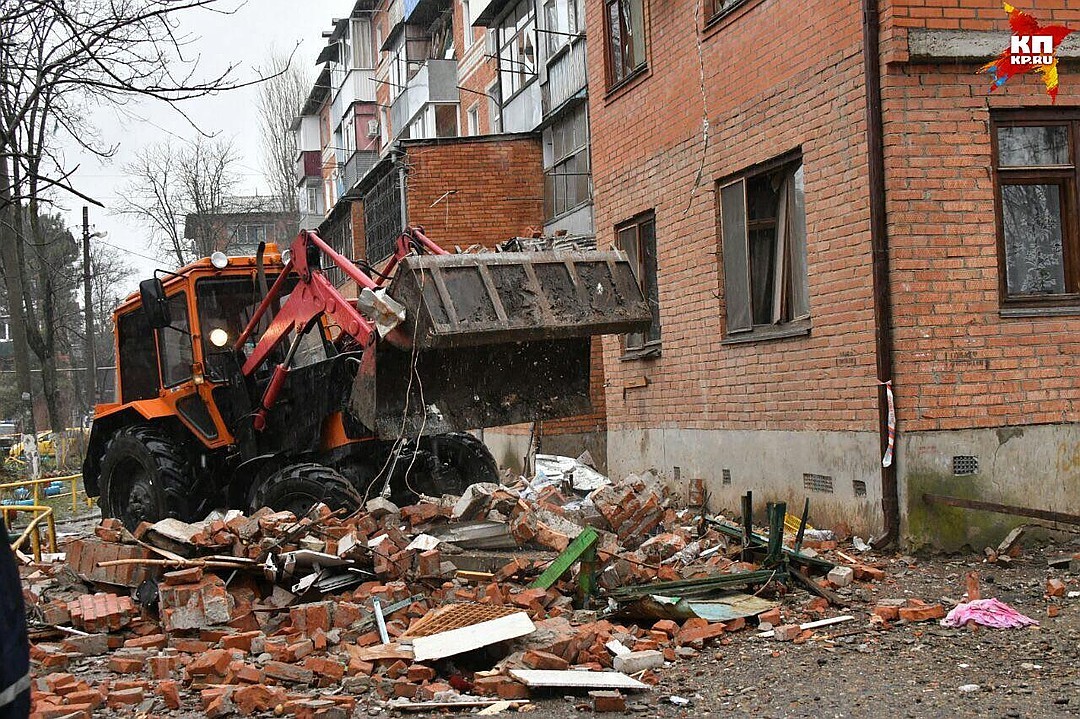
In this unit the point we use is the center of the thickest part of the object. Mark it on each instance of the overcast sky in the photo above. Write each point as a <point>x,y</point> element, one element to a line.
<point>244,37</point>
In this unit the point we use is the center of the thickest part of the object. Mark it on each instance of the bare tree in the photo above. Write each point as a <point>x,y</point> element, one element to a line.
<point>169,182</point>
<point>58,58</point>
<point>280,101</point>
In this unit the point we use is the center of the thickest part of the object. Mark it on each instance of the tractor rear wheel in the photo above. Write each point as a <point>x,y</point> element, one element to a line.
<point>298,487</point>
<point>145,477</point>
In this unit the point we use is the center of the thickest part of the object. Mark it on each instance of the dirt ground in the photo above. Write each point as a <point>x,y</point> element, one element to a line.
<point>912,670</point>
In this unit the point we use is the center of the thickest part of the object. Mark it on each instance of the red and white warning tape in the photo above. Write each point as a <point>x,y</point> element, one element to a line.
<point>888,458</point>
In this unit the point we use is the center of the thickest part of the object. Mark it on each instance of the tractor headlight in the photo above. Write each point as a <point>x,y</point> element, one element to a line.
<point>286,255</point>
<point>219,337</point>
<point>219,260</point>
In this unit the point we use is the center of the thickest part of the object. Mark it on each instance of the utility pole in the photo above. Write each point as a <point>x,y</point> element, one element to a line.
<point>88,313</point>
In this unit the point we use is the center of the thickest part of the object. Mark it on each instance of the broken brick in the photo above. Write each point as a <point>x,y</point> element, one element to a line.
<point>922,613</point>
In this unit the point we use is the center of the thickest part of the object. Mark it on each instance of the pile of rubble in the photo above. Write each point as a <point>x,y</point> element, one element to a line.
<point>568,583</point>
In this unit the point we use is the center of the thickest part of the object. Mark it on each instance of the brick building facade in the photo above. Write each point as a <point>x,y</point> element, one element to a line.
<point>730,154</point>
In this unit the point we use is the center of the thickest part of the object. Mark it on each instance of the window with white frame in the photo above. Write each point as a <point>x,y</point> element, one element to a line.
<point>472,119</point>
<point>517,49</point>
<point>763,232</point>
<point>494,108</point>
<point>467,20</point>
<point>311,193</point>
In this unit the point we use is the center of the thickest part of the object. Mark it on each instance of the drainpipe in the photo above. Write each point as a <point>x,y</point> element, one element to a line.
<point>879,243</point>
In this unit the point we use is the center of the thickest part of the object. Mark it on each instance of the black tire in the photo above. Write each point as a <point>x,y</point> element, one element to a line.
<point>298,487</point>
<point>448,464</point>
<point>145,477</point>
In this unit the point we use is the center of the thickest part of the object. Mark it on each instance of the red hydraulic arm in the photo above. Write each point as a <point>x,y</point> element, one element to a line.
<point>313,297</point>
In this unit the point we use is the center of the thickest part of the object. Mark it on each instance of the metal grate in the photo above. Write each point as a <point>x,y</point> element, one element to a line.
<point>817,482</point>
<point>382,216</point>
<point>678,473</point>
<point>456,616</point>
<point>859,486</point>
<point>965,465</point>
<point>727,476</point>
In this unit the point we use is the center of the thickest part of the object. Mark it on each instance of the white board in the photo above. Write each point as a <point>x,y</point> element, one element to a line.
<point>458,641</point>
<point>575,678</point>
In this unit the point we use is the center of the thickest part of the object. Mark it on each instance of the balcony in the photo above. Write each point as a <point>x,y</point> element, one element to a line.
<point>356,86</point>
<point>357,166</point>
<point>565,75</point>
<point>435,81</point>
<point>308,164</point>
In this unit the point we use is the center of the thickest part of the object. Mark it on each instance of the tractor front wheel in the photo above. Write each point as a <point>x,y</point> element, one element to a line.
<point>145,477</point>
<point>298,487</point>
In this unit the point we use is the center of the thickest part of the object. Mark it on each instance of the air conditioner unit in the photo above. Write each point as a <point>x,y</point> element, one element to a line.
<point>372,128</point>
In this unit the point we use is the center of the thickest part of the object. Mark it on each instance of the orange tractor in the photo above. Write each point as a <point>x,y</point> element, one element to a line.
<point>252,381</point>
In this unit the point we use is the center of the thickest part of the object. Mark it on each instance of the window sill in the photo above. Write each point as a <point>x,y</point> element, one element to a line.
<point>623,86</point>
<point>1053,311</point>
<point>765,333</point>
<point>725,18</point>
<point>648,352</point>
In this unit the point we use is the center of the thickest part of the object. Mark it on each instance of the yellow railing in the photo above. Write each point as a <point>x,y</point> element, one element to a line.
<point>36,485</point>
<point>41,512</point>
<point>31,531</point>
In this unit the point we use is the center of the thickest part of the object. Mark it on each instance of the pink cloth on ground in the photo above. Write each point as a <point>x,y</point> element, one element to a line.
<point>987,612</point>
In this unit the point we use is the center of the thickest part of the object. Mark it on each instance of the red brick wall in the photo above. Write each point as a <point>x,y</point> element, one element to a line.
<point>476,73</point>
<point>496,185</point>
<point>959,363</point>
<point>647,152</point>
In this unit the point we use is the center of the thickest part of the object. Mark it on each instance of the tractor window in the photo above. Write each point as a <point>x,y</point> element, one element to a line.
<point>174,343</point>
<point>227,304</point>
<point>138,357</point>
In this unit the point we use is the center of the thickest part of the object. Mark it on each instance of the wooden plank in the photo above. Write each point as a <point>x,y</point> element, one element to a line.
<point>1044,514</point>
<point>458,641</point>
<point>814,588</point>
<point>572,678</point>
<point>759,541</point>
<point>802,526</point>
<point>747,525</point>
<point>380,651</point>
<point>564,561</point>
<point>471,704</point>
<point>815,625</point>
<point>776,512</point>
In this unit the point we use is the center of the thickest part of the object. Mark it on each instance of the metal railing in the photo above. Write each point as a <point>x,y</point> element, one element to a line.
<point>42,513</point>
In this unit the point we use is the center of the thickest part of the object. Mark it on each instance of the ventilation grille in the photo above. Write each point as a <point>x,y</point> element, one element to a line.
<point>859,486</point>
<point>965,465</point>
<point>678,473</point>
<point>817,482</point>
<point>727,476</point>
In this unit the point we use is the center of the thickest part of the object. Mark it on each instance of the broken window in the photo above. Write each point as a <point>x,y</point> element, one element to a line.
<point>625,23</point>
<point>763,233</point>
<point>1036,171</point>
<point>637,238</point>
<point>517,50</point>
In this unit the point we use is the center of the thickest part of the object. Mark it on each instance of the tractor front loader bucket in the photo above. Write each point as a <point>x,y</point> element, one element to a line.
<point>494,338</point>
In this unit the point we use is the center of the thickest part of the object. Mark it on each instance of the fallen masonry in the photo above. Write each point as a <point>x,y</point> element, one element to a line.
<point>507,594</point>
